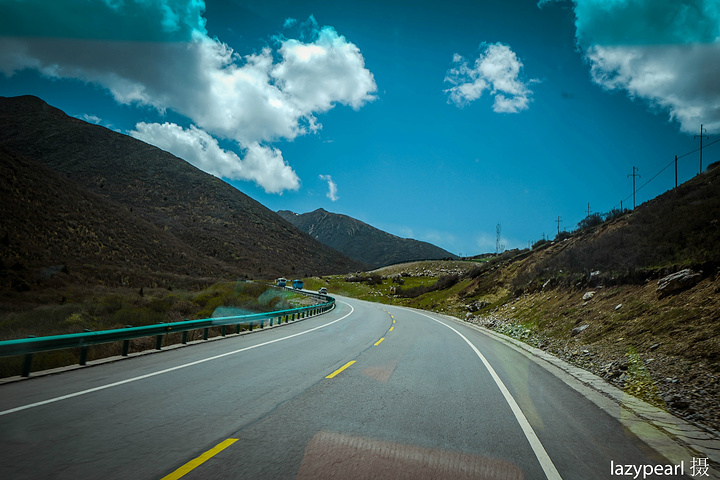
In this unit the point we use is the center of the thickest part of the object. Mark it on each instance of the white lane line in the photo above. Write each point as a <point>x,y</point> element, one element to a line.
<point>167,370</point>
<point>545,462</point>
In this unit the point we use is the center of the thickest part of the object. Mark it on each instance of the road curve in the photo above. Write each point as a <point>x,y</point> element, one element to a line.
<point>365,391</point>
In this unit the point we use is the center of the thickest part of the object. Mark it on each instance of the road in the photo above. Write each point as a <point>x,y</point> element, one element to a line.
<point>365,391</point>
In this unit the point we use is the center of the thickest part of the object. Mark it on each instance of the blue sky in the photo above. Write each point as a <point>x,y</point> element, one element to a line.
<point>431,120</point>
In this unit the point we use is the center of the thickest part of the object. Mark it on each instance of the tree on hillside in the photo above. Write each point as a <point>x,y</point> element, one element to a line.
<point>592,220</point>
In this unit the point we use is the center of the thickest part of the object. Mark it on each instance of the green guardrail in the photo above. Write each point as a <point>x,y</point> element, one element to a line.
<point>31,345</point>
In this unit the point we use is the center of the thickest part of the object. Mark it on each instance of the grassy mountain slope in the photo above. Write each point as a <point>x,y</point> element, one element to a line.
<point>54,231</point>
<point>233,233</point>
<point>361,241</point>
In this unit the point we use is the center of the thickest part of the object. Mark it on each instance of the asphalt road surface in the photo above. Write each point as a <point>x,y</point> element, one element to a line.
<point>365,391</point>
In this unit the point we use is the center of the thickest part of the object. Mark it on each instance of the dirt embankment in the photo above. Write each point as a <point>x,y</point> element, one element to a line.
<point>663,350</point>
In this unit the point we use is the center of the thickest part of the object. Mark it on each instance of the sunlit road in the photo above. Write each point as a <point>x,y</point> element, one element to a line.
<point>410,395</point>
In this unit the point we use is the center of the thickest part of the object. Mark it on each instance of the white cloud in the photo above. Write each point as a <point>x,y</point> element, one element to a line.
<point>438,238</point>
<point>90,118</point>
<point>159,54</point>
<point>317,75</point>
<point>485,242</point>
<point>665,53</point>
<point>262,165</point>
<point>681,80</point>
<point>496,70</point>
<point>332,187</point>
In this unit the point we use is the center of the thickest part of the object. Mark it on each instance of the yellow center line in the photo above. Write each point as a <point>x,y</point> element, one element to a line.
<point>391,329</point>
<point>185,469</point>
<point>336,372</point>
<point>393,321</point>
<point>379,341</point>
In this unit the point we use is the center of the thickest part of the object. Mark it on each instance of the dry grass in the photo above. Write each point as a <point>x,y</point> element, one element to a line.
<point>79,309</point>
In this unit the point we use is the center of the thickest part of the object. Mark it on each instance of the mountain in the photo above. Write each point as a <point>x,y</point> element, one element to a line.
<point>87,199</point>
<point>361,241</point>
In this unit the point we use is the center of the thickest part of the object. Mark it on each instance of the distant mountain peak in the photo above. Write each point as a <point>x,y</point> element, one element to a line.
<point>360,241</point>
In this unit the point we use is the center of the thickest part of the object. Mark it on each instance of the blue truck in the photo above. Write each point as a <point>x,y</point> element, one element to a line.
<point>298,284</point>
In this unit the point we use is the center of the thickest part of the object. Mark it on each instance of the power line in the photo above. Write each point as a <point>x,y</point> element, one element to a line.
<point>701,146</point>
<point>633,175</point>
<point>635,190</point>
<point>663,169</point>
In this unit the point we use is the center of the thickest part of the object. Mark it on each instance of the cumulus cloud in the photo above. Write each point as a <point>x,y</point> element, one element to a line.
<point>497,70</point>
<point>262,165</point>
<point>332,187</point>
<point>158,54</point>
<point>665,53</point>
<point>90,118</point>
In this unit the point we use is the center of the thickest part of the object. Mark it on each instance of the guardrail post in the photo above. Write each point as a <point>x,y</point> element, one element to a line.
<point>237,328</point>
<point>27,363</point>
<point>184,337</point>
<point>222,330</point>
<point>158,342</point>
<point>126,348</point>
<point>206,331</point>
<point>261,323</point>
<point>83,355</point>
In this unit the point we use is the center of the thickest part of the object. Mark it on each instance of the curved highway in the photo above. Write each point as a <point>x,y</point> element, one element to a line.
<point>365,391</point>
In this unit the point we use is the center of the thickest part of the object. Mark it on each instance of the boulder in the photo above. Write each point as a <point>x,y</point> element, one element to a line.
<point>579,329</point>
<point>588,296</point>
<point>677,282</point>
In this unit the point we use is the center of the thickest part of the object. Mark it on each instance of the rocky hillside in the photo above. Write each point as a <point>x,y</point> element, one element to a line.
<point>635,300</point>
<point>111,208</point>
<point>361,241</point>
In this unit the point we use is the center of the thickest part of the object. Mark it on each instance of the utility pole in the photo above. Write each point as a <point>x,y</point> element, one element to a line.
<point>558,221</point>
<point>497,239</point>
<point>702,130</point>
<point>588,210</point>
<point>633,174</point>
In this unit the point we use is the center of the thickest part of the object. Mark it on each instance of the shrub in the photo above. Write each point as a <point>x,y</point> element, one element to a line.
<point>562,236</point>
<point>592,220</point>
<point>442,283</point>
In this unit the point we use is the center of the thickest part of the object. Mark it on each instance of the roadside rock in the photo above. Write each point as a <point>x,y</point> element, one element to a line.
<point>676,402</point>
<point>474,307</point>
<point>588,296</point>
<point>677,282</point>
<point>578,330</point>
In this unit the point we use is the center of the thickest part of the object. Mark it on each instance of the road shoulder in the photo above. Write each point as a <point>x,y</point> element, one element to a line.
<point>674,438</point>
